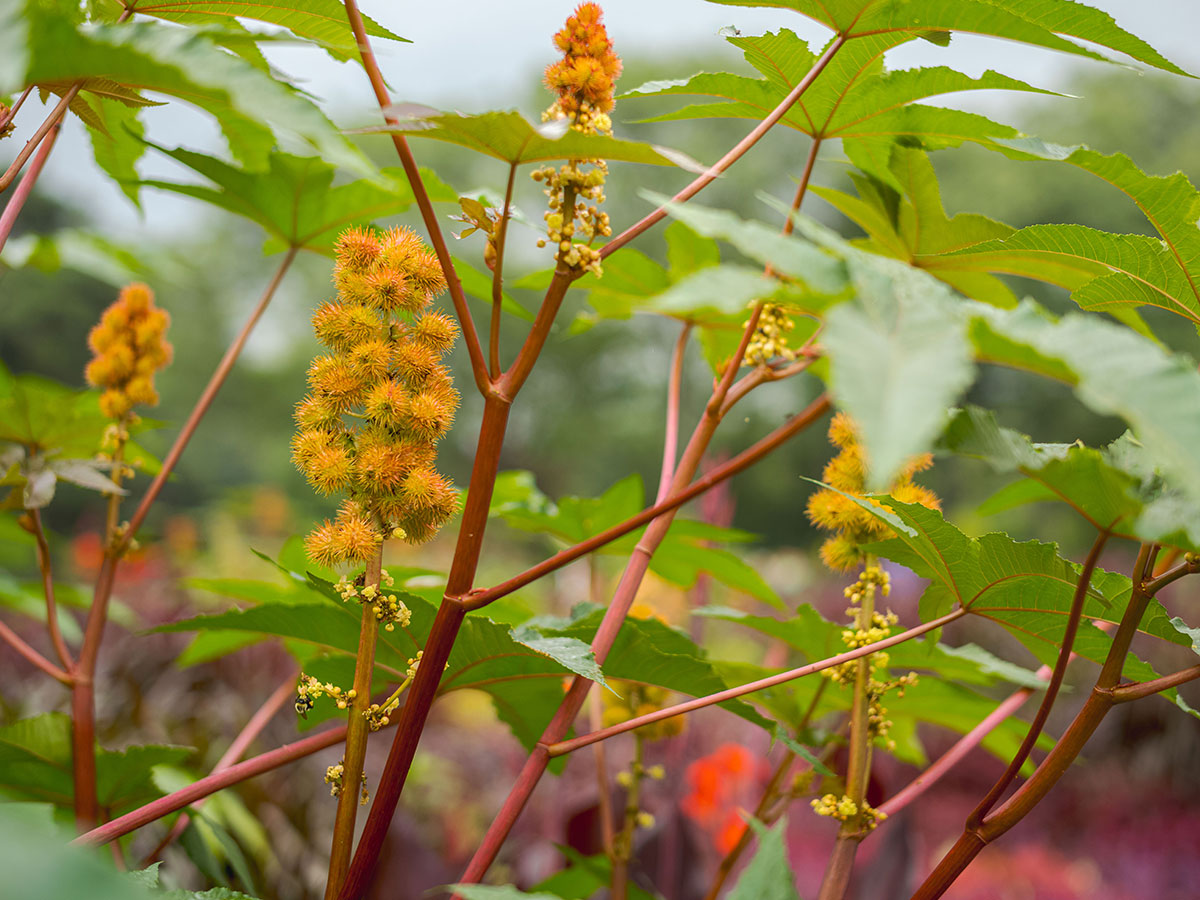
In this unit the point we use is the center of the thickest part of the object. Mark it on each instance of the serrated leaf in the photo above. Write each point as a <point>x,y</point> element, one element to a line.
<point>85,474</point>
<point>295,199</point>
<point>509,136</point>
<point>184,63</point>
<point>323,22</point>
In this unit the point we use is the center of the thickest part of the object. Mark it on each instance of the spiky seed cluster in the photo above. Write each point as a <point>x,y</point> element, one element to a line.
<point>128,347</point>
<point>770,337</point>
<point>836,512</point>
<point>384,373</point>
<point>584,81</point>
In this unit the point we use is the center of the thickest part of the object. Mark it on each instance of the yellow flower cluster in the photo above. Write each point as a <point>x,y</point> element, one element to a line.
<point>334,776</point>
<point>309,690</point>
<point>388,608</point>
<point>384,373</point>
<point>584,81</point>
<point>770,337</point>
<point>129,347</point>
<point>833,510</point>
<point>844,809</point>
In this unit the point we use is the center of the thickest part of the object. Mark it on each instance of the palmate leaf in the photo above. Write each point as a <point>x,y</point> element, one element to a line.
<point>255,110</point>
<point>82,251</point>
<point>1107,271</point>
<point>323,22</point>
<point>509,136</point>
<point>1118,372</point>
<point>35,762</point>
<point>912,224</point>
<point>1025,586</point>
<point>853,96</point>
<point>295,199</point>
<point>1037,22</point>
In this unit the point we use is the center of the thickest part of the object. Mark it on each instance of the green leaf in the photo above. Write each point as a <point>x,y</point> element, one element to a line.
<point>185,63</point>
<point>497,892</point>
<point>323,22</point>
<point>801,751</point>
<point>899,355</point>
<point>295,199</point>
<point>35,762</point>
<point>767,876</point>
<point>843,101</point>
<point>76,249</point>
<point>1038,22</point>
<point>509,136</point>
<point>1118,372</point>
<point>799,259</point>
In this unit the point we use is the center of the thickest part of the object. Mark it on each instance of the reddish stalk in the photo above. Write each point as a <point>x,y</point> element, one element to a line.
<point>975,837</point>
<point>498,276</point>
<point>458,298</point>
<point>49,127</point>
<point>802,187</point>
<point>19,644</point>
<point>250,731</point>
<point>706,482</point>
<point>210,784</point>
<point>671,440</point>
<point>83,696</point>
<point>1138,689</point>
<point>357,732</point>
<point>956,754</point>
<point>733,155</point>
<point>563,747</point>
<point>15,108</point>
<point>1056,679</point>
<point>43,557</point>
<point>17,201</point>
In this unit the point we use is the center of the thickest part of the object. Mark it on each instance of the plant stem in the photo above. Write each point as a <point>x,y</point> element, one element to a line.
<point>428,216</point>
<point>19,644</point>
<point>1056,679</point>
<point>959,751</point>
<point>17,201</point>
<point>706,482</point>
<point>623,842</point>
<point>15,108</point>
<point>210,784</point>
<point>206,398</point>
<point>1138,689</point>
<point>48,129</point>
<point>671,440</point>
<point>357,732</point>
<point>250,731</point>
<point>734,154</point>
<point>498,276</point>
<point>43,558</point>
<point>1059,759</point>
<point>858,767</point>
<point>563,747</point>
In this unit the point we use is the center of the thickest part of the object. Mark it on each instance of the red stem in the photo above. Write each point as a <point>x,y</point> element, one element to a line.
<point>671,440</point>
<point>32,655</point>
<point>466,323</point>
<point>15,108</point>
<point>49,127</point>
<point>209,785</point>
<point>1056,679</point>
<point>43,555</point>
<point>962,747</point>
<point>1138,689</point>
<point>733,155</point>
<point>668,712</point>
<point>17,201</point>
<point>250,731</point>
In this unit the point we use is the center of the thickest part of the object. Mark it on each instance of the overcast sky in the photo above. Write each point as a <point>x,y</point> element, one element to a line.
<point>479,54</point>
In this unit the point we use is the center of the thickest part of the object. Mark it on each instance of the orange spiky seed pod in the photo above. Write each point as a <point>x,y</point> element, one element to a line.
<point>585,77</point>
<point>129,346</point>
<point>833,510</point>
<point>383,374</point>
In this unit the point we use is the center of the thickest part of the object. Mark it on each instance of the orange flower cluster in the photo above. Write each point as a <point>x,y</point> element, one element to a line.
<point>129,347</point>
<point>839,513</point>
<point>586,75</point>
<point>384,373</point>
